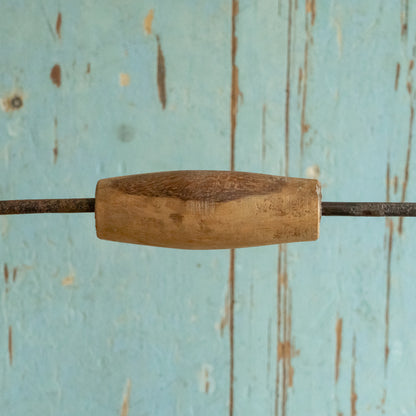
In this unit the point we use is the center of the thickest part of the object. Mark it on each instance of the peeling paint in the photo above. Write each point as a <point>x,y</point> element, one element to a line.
<point>206,379</point>
<point>147,23</point>
<point>231,280</point>
<point>6,273</point>
<point>125,406</point>
<point>313,172</point>
<point>404,18</point>
<point>68,281</point>
<point>396,79</point>
<point>225,316</point>
<point>406,168</point>
<point>390,226</point>
<point>55,149</point>
<point>124,79</point>
<point>58,25</point>
<point>338,332</point>
<point>304,126</point>
<point>389,236</point>
<point>285,349</point>
<point>288,72</point>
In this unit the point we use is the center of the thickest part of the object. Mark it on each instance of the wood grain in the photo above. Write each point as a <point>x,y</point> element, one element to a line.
<point>207,209</point>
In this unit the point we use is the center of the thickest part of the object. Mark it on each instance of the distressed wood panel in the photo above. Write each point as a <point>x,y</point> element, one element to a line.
<point>304,88</point>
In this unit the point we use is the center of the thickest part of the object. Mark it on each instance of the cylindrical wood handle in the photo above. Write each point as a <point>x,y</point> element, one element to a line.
<point>207,209</point>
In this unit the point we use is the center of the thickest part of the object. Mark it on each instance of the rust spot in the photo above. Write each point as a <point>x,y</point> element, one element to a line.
<point>353,395</point>
<point>411,65</point>
<point>55,75</point>
<point>58,25</point>
<point>88,71</point>
<point>406,169</point>
<point>12,103</point>
<point>126,399</point>
<point>6,273</point>
<point>225,318</point>
<point>147,23</point>
<point>300,79</point>
<point>338,332</point>
<point>396,184</point>
<point>409,87</point>
<point>55,151</point>
<point>55,148</point>
<point>161,74</point>
<point>396,80</point>
<point>176,218</point>
<point>10,345</point>
<point>14,273</point>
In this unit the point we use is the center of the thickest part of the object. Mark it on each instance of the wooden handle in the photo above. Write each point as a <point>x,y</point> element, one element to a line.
<point>207,209</point>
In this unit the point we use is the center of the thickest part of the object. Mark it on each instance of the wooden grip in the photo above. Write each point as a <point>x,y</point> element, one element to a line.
<point>207,209</point>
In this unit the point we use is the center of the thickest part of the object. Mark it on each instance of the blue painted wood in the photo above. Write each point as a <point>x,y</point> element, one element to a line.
<point>325,90</point>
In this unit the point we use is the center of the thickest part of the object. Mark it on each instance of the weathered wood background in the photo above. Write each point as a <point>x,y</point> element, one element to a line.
<point>94,89</point>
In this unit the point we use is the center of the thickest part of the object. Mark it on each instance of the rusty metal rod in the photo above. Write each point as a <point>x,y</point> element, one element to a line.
<point>369,209</point>
<point>76,205</point>
<point>44,206</point>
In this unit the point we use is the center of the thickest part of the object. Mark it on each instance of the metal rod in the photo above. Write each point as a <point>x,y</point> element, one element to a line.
<point>74,205</point>
<point>42,206</point>
<point>370,209</point>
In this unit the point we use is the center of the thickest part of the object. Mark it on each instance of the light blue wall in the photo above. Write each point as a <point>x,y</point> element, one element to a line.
<point>93,327</point>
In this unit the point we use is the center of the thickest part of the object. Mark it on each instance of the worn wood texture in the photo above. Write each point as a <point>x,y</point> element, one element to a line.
<point>306,88</point>
<point>207,209</point>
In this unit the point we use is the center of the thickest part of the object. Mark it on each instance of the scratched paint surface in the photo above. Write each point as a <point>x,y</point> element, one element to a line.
<point>303,88</point>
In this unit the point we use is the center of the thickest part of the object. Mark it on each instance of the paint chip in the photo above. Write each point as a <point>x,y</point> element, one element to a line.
<point>147,23</point>
<point>58,25</point>
<point>55,75</point>
<point>126,399</point>
<point>68,281</point>
<point>206,380</point>
<point>313,172</point>
<point>124,79</point>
